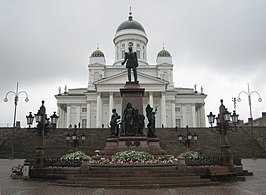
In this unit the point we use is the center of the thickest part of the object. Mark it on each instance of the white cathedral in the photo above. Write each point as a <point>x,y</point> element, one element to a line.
<point>91,107</point>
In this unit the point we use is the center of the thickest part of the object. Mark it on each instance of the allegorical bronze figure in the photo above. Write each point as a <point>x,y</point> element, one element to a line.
<point>114,123</point>
<point>150,113</point>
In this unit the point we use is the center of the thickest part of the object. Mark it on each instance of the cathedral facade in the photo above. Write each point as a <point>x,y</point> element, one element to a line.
<point>91,106</point>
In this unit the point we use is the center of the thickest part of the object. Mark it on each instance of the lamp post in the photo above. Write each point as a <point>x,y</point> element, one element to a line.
<point>187,139</point>
<point>223,126</point>
<point>248,93</point>
<point>16,98</point>
<point>42,127</point>
<point>75,138</point>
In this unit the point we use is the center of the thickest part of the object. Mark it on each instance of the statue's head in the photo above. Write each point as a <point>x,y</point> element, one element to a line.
<point>113,110</point>
<point>130,48</point>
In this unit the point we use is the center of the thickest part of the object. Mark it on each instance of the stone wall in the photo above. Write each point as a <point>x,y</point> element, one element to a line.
<point>242,144</point>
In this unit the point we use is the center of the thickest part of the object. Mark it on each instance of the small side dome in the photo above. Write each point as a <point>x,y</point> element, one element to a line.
<point>97,56</point>
<point>97,53</point>
<point>163,53</point>
<point>164,57</point>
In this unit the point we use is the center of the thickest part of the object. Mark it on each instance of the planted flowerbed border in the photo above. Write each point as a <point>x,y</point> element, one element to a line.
<point>130,158</point>
<point>131,165</point>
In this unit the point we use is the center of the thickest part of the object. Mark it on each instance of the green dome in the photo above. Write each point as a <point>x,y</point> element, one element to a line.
<point>130,24</point>
<point>163,53</point>
<point>97,53</point>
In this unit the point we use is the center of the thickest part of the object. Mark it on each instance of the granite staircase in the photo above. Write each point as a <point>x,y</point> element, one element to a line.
<point>135,177</point>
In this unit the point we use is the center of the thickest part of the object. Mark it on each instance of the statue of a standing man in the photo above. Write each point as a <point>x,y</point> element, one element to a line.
<point>132,63</point>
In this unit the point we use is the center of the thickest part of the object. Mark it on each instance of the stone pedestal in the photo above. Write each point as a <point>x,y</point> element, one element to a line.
<point>132,93</point>
<point>138,143</point>
<point>110,147</point>
<point>154,146</point>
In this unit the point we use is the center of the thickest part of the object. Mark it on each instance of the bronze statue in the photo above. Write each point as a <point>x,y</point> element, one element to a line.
<point>132,122</point>
<point>114,123</point>
<point>151,118</point>
<point>132,63</point>
<point>128,119</point>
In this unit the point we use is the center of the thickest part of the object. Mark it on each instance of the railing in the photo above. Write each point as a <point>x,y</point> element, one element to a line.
<point>204,161</point>
<point>210,161</point>
<point>58,162</point>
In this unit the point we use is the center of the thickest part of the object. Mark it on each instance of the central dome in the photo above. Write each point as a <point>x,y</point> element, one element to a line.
<point>130,24</point>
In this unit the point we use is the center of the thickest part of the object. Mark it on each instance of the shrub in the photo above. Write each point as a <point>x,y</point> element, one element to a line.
<point>189,155</point>
<point>132,156</point>
<point>75,155</point>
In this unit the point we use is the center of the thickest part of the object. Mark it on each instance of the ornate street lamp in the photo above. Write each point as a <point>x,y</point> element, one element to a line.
<point>187,139</point>
<point>75,138</point>
<point>16,93</point>
<point>223,126</point>
<point>248,93</point>
<point>43,127</point>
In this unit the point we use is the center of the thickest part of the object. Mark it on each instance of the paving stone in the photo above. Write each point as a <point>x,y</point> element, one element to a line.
<point>253,185</point>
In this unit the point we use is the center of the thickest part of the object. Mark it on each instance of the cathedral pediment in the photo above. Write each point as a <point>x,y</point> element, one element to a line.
<point>121,78</point>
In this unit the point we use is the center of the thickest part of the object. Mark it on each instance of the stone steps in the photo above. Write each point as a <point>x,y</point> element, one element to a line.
<point>131,178</point>
<point>155,177</point>
<point>208,142</point>
<point>170,182</point>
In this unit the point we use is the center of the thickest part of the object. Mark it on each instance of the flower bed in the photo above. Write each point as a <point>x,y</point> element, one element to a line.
<point>126,158</point>
<point>134,158</point>
<point>189,155</point>
<point>75,155</point>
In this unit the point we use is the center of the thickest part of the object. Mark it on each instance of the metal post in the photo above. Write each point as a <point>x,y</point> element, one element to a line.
<point>248,93</point>
<point>40,140</point>
<point>16,93</point>
<point>226,152</point>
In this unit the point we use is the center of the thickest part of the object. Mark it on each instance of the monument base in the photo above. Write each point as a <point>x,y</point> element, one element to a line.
<point>138,143</point>
<point>132,93</point>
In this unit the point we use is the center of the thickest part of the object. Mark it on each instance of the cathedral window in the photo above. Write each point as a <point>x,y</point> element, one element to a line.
<point>177,109</point>
<point>123,45</point>
<point>84,110</point>
<point>138,54</point>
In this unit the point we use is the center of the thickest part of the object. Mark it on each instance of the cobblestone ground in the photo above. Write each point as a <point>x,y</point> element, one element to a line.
<point>253,185</point>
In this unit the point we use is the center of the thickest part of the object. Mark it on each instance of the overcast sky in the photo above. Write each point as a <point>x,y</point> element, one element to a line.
<point>217,44</point>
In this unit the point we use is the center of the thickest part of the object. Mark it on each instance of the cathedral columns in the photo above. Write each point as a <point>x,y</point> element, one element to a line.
<point>111,102</point>
<point>173,114</point>
<point>193,112</point>
<point>202,115</point>
<point>88,114</point>
<point>62,116</point>
<point>151,99</point>
<point>163,109</point>
<point>78,116</point>
<point>99,111</point>
<point>59,122</point>
<point>68,115</point>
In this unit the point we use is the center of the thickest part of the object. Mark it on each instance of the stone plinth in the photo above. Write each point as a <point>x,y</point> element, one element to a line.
<point>138,143</point>
<point>154,146</point>
<point>110,147</point>
<point>132,93</point>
